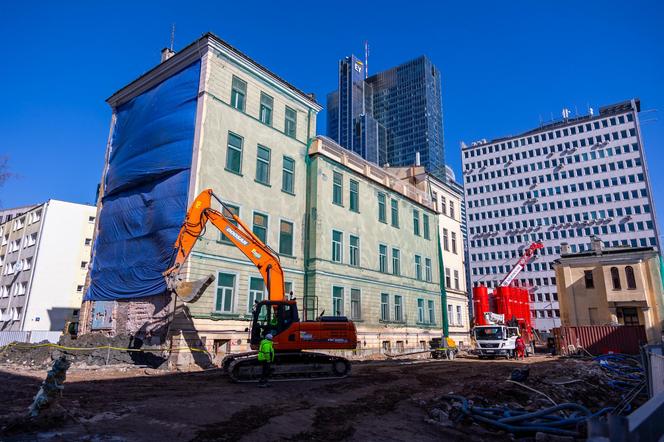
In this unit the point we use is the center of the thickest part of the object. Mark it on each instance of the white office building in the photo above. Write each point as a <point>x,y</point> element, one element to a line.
<point>561,182</point>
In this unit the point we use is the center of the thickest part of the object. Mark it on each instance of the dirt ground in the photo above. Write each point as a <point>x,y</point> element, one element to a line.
<point>381,401</point>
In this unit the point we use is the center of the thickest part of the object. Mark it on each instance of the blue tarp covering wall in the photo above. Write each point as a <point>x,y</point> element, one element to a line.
<point>145,195</point>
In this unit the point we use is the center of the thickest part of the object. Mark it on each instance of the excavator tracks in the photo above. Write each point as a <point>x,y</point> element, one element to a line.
<point>291,366</point>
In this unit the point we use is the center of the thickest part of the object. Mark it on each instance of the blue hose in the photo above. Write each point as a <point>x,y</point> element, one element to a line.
<point>546,420</point>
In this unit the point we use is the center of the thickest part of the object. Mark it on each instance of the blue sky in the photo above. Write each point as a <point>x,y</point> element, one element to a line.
<point>505,65</point>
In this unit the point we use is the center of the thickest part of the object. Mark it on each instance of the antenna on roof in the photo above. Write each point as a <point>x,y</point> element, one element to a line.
<point>172,35</point>
<point>366,59</point>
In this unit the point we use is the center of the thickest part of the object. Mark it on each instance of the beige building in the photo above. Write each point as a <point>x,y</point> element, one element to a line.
<point>447,199</point>
<point>353,239</point>
<point>44,256</point>
<point>621,285</point>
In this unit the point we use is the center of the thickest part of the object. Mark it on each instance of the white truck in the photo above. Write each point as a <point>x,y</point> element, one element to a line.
<point>497,339</point>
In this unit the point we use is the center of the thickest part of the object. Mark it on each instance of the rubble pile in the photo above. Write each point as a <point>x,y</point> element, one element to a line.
<point>41,355</point>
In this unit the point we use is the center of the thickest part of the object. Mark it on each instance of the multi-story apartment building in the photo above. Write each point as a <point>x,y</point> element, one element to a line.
<point>9,214</point>
<point>560,182</point>
<point>344,228</point>
<point>44,255</point>
<point>396,113</point>
<point>447,199</point>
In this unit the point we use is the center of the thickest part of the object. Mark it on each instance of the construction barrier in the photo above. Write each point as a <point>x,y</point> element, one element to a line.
<point>599,339</point>
<point>33,337</point>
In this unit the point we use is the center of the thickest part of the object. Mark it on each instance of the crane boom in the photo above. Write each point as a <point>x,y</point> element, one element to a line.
<point>261,255</point>
<point>521,264</point>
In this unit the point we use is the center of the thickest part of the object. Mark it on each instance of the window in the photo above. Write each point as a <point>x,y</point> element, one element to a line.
<point>256,292</point>
<point>35,216</point>
<point>629,275</point>
<point>416,222</point>
<point>450,314</point>
<point>225,290</point>
<point>91,219</point>
<point>384,307</point>
<point>84,264</point>
<point>452,213</point>
<point>354,243</point>
<point>88,241</point>
<point>286,238</point>
<point>382,258</point>
<point>263,165</point>
<point>234,153</point>
<point>434,199</point>
<point>354,199</point>
<point>459,319</point>
<point>443,205</point>
<point>382,213</point>
<point>288,287</point>
<point>79,288</point>
<point>337,245</point>
<point>337,301</point>
<point>266,109</point>
<point>629,315</point>
<point>432,312</point>
<point>615,278</point>
<point>427,269</point>
<point>456,279</point>
<point>395,212</point>
<point>418,267</point>
<point>26,264</point>
<point>227,211</point>
<point>288,175</point>
<point>454,243</point>
<point>398,308</point>
<point>290,126</point>
<point>260,226</point>
<point>448,278</point>
<point>355,304</point>
<point>238,94</point>
<point>420,311</point>
<point>396,259</point>
<point>588,276</point>
<point>338,188</point>
<point>446,244</point>
<point>425,226</point>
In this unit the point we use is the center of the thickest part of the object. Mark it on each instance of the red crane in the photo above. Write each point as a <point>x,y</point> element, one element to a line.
<point>521,264</point>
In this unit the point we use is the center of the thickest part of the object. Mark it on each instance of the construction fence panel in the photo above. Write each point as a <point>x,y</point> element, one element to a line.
<point>7,337</point>
<point>51,336</point>
<point>33,337</point>
<point>600,339</point>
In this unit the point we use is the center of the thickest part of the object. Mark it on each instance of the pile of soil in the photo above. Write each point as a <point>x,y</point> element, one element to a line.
<point>34,356</point>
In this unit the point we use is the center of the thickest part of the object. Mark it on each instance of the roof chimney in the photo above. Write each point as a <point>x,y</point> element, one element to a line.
<point>166,53</point>
<point>597,244</point>
<point>417,158</point>
<point>564,248</point>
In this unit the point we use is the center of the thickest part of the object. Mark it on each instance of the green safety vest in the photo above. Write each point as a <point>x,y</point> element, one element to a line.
<point>266,351</point>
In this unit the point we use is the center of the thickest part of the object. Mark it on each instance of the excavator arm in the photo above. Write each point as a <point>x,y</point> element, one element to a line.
<point>261,255</point>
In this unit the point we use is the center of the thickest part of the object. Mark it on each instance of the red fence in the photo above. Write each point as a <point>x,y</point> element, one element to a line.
<point>600,339</point>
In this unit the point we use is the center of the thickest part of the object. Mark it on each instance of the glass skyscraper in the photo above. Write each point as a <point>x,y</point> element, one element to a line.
<point>390,116</point>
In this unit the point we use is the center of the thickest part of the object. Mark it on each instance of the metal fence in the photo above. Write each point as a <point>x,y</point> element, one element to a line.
<point>7,337</point>
<point>600,339</point>
<point>653,361</point>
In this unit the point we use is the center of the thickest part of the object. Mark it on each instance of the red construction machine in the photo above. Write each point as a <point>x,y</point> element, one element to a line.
<point>275,315</point>
<point>504,315</point>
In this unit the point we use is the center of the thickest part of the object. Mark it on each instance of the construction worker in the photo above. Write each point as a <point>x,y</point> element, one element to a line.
<point>520,348</point>
<point>265,357</point>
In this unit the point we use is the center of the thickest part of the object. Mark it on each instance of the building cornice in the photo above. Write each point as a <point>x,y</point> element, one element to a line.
<point>195,51</point>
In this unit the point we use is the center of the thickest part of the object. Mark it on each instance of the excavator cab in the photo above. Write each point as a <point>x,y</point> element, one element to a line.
<point>273,317</point>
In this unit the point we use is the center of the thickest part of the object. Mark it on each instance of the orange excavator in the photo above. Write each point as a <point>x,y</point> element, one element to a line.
<point>293,339</point>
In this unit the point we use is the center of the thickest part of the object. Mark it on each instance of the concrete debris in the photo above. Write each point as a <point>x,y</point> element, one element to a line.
<point>51,388</point>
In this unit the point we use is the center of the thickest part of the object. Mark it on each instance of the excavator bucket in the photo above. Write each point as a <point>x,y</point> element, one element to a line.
<point>191,291</point>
